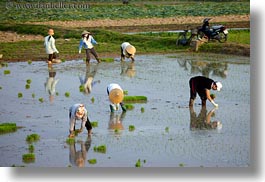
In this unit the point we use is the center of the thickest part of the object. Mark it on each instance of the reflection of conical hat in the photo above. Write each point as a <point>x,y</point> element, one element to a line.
<point>116,96</point>
<point>130,49</point>
<point>130,72</point>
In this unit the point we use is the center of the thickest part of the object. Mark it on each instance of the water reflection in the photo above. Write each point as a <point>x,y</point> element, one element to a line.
<point>115,121</point>
<point>77,157</point>
<point>87,81</point>
<point>51,82</point>
<point>128,69</point>
<point>206,68</point>
<point>203,120</point>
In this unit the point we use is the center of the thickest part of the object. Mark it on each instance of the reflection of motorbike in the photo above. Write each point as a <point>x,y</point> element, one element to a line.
<point>218,32</point>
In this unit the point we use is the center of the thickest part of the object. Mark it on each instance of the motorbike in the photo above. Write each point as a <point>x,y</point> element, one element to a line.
<point>217,32</point>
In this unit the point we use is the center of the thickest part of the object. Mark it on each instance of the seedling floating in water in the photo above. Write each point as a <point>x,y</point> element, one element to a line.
<point>28,158</point>
<point>129,106</point>
<point>28,81</point>
<point>70,141</point>
<point>142,109</point>
<point>101,148</point>
<point>135,98</point>
<point>92,161</point>
<point>7,128</point>
<point>41,100</point>
<point>108,60</point>
<point>32,138</point>
<point>27,86</point>
<point>67,94</point>
<point>94,124</point>
<point>31,148</point>
<point>6,72</point>
<point>138,163</point>
<point>19,95</point>
<point>131,128</point>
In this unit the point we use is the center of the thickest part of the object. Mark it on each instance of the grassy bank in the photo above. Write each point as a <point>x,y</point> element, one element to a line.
<point>67,42</point>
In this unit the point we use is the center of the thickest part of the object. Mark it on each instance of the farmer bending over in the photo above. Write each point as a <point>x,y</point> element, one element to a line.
<point>127,50</point>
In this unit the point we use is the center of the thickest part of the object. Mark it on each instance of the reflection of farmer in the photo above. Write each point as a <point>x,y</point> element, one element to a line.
<point>87,42</point>
<point>116,95</point>
<point>202,86</point>
<point>127,50</point>
<point>87,82</point>
<point>115,120</point>
<point>79,112</point>
<point>49,44</point>
<point>203,120</point>
<point>127,69</point>
<point>51,82</point>
<point>78,157</point>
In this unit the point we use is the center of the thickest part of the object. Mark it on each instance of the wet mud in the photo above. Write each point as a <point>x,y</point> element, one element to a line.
<point>167,132</point>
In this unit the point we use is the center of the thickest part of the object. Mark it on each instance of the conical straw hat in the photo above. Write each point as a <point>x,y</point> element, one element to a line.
<point>130,49</point>
<point>116,96</point>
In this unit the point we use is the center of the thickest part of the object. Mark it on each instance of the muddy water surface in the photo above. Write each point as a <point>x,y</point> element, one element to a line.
<point>167,133</point>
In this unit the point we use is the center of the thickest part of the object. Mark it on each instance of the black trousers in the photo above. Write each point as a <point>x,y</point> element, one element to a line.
<point>88,124</point>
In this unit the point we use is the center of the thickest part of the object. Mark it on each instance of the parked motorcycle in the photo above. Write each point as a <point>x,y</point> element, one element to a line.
<point>218,32</point>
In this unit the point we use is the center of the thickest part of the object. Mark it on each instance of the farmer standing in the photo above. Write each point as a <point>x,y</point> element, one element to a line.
<point>87,42</point>
<point>79,112</point>
<point>202,85</point>
<point>116,95</point>
<point>49,44</point>
<point>128,51</point>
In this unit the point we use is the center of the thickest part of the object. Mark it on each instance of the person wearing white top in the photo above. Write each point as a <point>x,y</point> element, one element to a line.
<point>115,93</point>
<point>128,51</point>
<point>87,42</point>
<point>49,44</point>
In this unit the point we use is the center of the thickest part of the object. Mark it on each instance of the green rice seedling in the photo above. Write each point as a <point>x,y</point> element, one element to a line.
<point>57,93</point>
<point>33,95</point>
<point>213,96</point>
<point>100,148</point>
<point>138,163</point>
<point>167,129</point>
<point>32,138</point>
<point>28,158</point>
<point>19,95</point>
<point>41,99</point>
<point>131,127</point>
<point>129,106</point>
<point>92,99</point>
<point>181,165</point>
<point>142,109</point>
<point>116,131</point>
<point>27,86</point>
<point>8,127</point>
<point>94,124</point>
<point>67,94</point>
<point>125,92</point>
<point>28,81</point>
<point>107,60</point>
<point>31,148</point>
<point>63,60</point>
<point>92,161</point>
<point>1,88</point>
<point>81,88</point>
<point>134,98</point>
<point>7,72</point>
<point>70,141</point>
<point>29,62</point>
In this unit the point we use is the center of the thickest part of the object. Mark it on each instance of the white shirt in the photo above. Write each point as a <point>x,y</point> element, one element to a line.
<point>49,44</point>
<point>123,46</point>
<point>113,86</point>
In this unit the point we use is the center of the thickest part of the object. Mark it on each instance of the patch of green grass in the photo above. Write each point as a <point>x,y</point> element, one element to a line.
<point>128,98</point>
<point>8,127</point>
<point>92,161</point>
<point>28,158</point>
<point>100,148</point>
<point>32,138</point>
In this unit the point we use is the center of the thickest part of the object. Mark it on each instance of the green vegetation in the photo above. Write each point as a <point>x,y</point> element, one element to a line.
<point>8,127</point>
<point>135,98</point>
<point>70,141</point>
<point>19,95</point>
<point>31,148</point>
<point>94,124</point>
<point>213,96</point>
<point>125,92</point>
<point>32,138</point>
<point>142,109</point>
<point>81,88</point>
<point>41,99</point>
<point>92,161</point>
<point>129,106</point>
<point>93,99</point>
<point>28,81</point>
<point>89,10</point>
<point>27,86</point>
<point>28,158</point>
<point>108,60</point>
<point>101,148</point>
<point>138,163</point>
<point>167,129</point>
<point>67,94</point>
<point>33,95</point>
<point>131,127</point>
<point>7,72</point>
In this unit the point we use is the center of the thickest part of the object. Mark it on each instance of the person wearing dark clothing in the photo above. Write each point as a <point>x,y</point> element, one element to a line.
<point>202,85</point>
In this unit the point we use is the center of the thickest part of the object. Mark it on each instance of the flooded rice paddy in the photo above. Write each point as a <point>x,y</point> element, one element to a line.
<point>167,133</point>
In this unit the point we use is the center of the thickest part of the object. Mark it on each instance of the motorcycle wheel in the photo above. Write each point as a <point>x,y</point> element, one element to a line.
<point>200,34</point>
<point>222,37</point>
